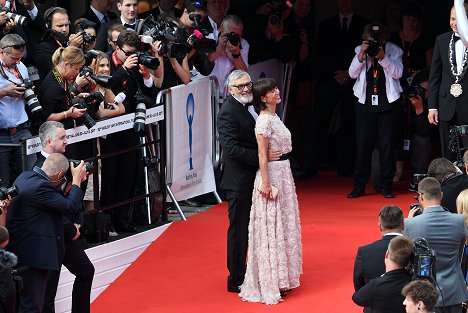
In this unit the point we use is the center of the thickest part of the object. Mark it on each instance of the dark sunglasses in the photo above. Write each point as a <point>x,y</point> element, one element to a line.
<point>127,53</point>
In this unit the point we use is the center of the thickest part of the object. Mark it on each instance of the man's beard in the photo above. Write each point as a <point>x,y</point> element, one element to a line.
<point>244,99</point>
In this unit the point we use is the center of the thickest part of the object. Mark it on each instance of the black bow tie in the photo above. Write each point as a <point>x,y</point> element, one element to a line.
<point>455,38</point>
<point>132,26</point>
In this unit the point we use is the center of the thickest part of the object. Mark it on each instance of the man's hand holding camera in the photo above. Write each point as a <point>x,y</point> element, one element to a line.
<point>78,172</point>
<point>131,62</point>
<point>76,40</point>
<point>13,91</point>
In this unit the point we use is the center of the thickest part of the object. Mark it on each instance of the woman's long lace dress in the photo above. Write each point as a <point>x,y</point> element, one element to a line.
<point>275,247</point>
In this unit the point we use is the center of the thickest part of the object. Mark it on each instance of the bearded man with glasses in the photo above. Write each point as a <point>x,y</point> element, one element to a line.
<point>236,128</point>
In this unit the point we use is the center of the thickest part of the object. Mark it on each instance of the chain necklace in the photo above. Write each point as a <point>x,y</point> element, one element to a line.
<point>456,89</point>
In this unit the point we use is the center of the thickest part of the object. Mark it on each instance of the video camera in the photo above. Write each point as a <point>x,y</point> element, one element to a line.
<point>375,44</point>
<point>80,28</point>
<point>30,98</point>
<point>5,192</point>
<point>423,260</point>
<point>91,101</point>
<point>18,19</point>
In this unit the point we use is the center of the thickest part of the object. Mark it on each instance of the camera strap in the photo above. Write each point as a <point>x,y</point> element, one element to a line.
<point>375,76</point>
<point>62,84</point>
<point>15,72</point>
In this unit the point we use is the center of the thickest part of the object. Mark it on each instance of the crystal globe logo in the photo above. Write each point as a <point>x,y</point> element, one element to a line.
<point>189,111</point>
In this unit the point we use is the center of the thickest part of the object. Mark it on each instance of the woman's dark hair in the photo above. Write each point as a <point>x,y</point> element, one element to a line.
<point>439,168</point>
<point>260,88</point>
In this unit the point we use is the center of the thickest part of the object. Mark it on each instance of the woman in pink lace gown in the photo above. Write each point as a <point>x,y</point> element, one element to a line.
<point>274,257</point>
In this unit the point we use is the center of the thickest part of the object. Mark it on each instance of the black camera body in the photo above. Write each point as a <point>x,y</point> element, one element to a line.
<point>233,38</point>
<point>413,91</point>
<point>375,44</point>
<point>6,192</point>
<point>30,98</point>
<point>147,60</point>
<point>423,260</point>
<point>80,28</point>
<point>91,101</point>
<point>88,166</point>
<point>102,80</point>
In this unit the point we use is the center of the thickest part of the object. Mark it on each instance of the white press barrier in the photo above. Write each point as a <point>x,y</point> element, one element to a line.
<point>190,130</point>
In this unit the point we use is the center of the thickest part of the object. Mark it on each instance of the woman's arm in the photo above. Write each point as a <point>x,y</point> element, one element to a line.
<point>265,187</point>
<point>182,70</point>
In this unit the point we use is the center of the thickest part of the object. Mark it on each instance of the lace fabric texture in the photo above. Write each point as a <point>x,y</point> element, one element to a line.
<point>275,247</point>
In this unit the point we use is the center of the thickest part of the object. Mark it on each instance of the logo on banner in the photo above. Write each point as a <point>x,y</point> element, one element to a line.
<point>189,111</point>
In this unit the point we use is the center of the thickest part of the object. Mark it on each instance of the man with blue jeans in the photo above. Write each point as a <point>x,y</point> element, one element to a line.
<point>14,124</point>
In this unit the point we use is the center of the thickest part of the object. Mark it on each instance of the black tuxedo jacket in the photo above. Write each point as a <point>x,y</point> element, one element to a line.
<point>383,294</point>
<point>451,188</point>
<point>336,51</point>
<point>89,15</point>
<point>236,128</point>
<point>440,80</point>
<point>369,261</point>
<point>43,55</point>
<point>35,221</point>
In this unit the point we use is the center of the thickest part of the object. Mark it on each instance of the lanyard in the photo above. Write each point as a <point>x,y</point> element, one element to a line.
<point>15,72</point>
<point>375,76</point>
<point>62,84</point>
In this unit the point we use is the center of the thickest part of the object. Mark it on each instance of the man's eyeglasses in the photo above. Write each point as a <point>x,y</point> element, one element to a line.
<point>248,85</point>
<point>128,53</point>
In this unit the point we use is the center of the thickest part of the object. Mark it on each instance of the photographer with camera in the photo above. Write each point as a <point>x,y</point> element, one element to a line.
<point>57,35</point>
<point>34,220</point>
<point>383,294</point>
<point>119,172</point>
<point>377,68</point>
<point>14,103</point>
<point>88,30</point>
<point>446,234</point>
<point>451,179</point>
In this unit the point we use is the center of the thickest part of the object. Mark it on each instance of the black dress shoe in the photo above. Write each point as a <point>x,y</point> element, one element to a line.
<point>388,193</point>
<point>235,289</point>
<point>356,193</point>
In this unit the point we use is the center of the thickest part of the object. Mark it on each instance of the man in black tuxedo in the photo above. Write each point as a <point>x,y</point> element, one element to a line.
<point>34,221</point>
<point>99,12</point>
<point>448,85</point>
<point>128,17</point>
<point>165,8</point>
<point>338,36</point>
<point>54,140</point>
<point>369,261</point>
<point>383,294</point>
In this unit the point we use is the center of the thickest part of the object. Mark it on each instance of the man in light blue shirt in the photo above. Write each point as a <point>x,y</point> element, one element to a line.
<point>14,124</point>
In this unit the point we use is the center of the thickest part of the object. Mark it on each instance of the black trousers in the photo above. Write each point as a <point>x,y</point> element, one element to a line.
<point>78,263</point>
<point>239,204</point>
<point>32,296</point>
<point>376,129</point>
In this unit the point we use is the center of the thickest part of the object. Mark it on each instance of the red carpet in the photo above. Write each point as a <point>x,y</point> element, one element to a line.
<point>185,269</point>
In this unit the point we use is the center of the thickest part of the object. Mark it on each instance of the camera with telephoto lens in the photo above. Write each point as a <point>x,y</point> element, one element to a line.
<point>140,112</point>
<point>423,260</point>
<point>88,165</point>
<point>8,192</point>
<point>80,28</point>
<point>91,101</point>
<point>102,80</point>
<point>375,44</point>
<point>29,96</point>
<point>18,19</point>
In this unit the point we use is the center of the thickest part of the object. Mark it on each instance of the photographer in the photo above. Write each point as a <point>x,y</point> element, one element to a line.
<point>446,234</point>
<point>119,172</point>
<point>420,131</point>
<point>34,220</point>
<point>14,124</point>
<point>87,29</point>
<point>377,67</point>
<point>57,35</point>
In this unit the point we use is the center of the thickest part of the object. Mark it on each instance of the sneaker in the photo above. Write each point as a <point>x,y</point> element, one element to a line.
<point>112,232</point>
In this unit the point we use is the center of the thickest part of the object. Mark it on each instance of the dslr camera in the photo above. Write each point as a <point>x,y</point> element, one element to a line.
<point>413,91</point>
<point>102,80</point>
<point>18,19</point>
<point>375,44</point>
<point>88,165</point>
<point>91,101</point>
<point>30,98</point>
<point>5,192</point>
<point>80,28</point>
<point>278,6</point>
<point>233,38</point>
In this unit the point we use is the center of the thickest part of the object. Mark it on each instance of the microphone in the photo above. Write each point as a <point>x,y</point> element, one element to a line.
<point>198,34</point>
<point>117,100</point>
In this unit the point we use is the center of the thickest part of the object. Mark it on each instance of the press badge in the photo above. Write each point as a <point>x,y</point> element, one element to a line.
<point>406,145</point>
<point>375,99</point>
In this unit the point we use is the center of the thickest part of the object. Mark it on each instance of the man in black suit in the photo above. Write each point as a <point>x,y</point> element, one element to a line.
<point>35,223</point>
<point>99,12</point>
<point>165,8</point>
<point>383,294</point>
<point>236,124</point>
<point>448,85</point>
<point>338,36</point>
<point>128,17</point>
<point>54,140</point>
<point>369,261</point>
